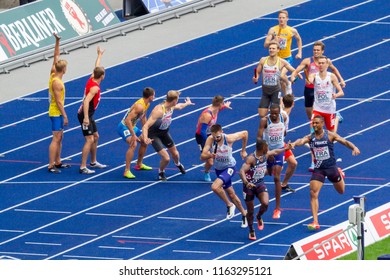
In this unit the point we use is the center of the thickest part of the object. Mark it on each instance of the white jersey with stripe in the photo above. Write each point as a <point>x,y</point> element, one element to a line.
<point>323,91</point>
<point>224,155</point>
<point>274,133</point>
<point>271,73</point>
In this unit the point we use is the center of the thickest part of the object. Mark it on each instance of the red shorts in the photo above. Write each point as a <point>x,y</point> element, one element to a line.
<point>328,118</point>
<point>287,153</point>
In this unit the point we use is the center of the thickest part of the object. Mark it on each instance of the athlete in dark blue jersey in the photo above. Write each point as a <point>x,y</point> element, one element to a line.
<point>321,145</point>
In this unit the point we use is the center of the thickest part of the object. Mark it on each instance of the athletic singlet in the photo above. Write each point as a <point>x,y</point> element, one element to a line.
<point>140,115</point>
<point>323,90</point>
<point>274,133</point>
<point>94,103</point>
<point>313,69</point>
<point>209,124</point>
<point>53,108</point>
<point>224,155</point>
<point>256,173</point>
<point>271,73</point>
<point>285,40</point>
<point>164,122</point>
<point>323,151</point>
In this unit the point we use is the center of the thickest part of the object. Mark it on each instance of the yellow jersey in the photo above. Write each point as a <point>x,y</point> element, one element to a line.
<point>140,115</point>
<point>285,40</point>
<point>53,108</point>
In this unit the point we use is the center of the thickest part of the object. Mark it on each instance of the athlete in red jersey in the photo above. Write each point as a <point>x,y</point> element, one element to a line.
<point>206,120</point>
<point>85,115</point>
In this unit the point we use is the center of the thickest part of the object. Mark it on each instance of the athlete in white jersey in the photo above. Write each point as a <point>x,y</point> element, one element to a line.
<point>219,147</point>
<point>156,131</point>
<point>272,129</point>
<point>326,90</point>
<point>270,67</point>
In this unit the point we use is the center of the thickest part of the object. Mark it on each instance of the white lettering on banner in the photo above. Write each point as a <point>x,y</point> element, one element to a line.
<point>3,55</point>
<point>57,25</point>
<point>331,248</point>
<point>108,19</point>
<point>20,34</point>
<point>386,221</point>
<point>24,34</point>
<point>101,15</point>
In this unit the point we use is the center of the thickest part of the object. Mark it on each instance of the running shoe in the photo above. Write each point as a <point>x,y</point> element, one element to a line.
<point>252,235</point>
<point>338,115</point>
<point>260,223</point>
<point>276,214</point>
<point>142,167</point>
<point>313,226</point>
<point>62,165</point>
<point>97,165</point>
<point>181,168</point>
<point>161,176</point>
<point>230,211</point>
<point>244,223</point>
<point>287,188</point>
<point>128,174</point>
<point>207,177</point>
<point>86,171</point>
<point>342,174</point>
<point>311,168</point>
<point>53,170</point>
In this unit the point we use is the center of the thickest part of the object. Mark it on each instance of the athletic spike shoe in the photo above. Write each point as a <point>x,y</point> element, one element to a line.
<point>181,168</point>
<point>97,165</point>
<point>142,167</point>
<point>252,235</point>
<point>313,226</point>
<point>207,177</point>
<point>244,223</point>
<point>230,211</point>
<point>86,171</point>
<point>62,165</point>
<point>161,176</point>
<point>128,175</point>
<point>276,214</point>
<point>260,222</point>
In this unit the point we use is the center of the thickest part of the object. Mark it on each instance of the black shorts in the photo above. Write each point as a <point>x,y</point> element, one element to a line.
<point>332,173</point>
<point>309,97</point>
<point>160,139</point>
<point>91,128</point>
<point>270,96</point>
<point>249,194</point>
<point>200,140</point>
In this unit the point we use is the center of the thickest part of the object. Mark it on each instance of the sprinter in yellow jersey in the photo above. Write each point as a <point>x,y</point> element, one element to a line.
<point>283,34</point>
<point>57,113</point>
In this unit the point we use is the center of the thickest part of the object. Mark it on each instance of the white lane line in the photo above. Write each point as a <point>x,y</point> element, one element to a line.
<point>191,252</point>
<point>213,241</point>
<point>41,211</point>
<point>116,248</point>
<point>113,215</point>
<point>67,233</point>
<point>43,244</point>
<point>186,219</point>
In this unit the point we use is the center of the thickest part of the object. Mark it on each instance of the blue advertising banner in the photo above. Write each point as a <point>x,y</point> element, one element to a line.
<point>30,27</point>
<point>158,5</point>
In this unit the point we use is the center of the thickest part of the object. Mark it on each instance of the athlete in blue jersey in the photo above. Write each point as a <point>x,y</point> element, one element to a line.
<point>321,145</point>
